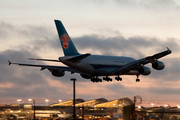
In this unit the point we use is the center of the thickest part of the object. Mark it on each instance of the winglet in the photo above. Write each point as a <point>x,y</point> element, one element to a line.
<point>9,62</point>
<point>169,51</point>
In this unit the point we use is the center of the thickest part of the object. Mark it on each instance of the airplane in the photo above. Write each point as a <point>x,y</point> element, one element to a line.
<point>94,66</point>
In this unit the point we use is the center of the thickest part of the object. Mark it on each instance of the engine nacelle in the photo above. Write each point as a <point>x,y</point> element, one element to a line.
<point>144,70</point>
<point>57,73</point>
<point>86,76</point>
<point>158,65</point>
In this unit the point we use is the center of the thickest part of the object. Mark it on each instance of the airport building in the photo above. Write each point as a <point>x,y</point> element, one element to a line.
<point>100,108</point>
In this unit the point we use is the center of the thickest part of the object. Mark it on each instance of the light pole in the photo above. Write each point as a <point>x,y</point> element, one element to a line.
<point>74,114</point>
<point>34,109</point>
<point>46,100</point>
<point>30,101</point>
<point>114,109</point>
<point>60,101</point>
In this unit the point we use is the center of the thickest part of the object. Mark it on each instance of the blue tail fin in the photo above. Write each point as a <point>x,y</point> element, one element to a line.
<point>66,43</point>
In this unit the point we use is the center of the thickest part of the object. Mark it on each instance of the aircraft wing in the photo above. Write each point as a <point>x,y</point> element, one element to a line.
<point>49,67</point>
<point>138,63</point>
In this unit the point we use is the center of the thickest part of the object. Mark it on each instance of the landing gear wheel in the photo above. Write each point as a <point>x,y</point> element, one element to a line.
<point>104,78</point>
<point>96,79</point>
<point>107,79</point>
<point>137,80</point>
<point>118,78</point>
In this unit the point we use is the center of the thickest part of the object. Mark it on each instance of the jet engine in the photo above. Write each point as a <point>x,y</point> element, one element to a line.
<point>144,70</point>
<point>158,65</point>
<point>57,73</point>
<point>86,76</point>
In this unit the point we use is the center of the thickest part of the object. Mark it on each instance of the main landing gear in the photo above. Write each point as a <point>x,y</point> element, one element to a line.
<point>96,79</point>
<point>107,79</point>
<point>118,78</point>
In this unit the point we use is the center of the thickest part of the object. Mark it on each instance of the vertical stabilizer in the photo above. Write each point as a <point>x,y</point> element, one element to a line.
<point>66,43</point>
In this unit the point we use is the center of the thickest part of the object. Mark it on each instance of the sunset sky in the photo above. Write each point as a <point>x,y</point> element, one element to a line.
<point>135,28</point>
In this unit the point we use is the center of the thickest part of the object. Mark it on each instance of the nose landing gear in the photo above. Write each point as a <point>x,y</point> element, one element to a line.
<point>137,80</point>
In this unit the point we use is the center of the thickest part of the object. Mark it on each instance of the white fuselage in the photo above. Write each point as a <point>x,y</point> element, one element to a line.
<point>98,64</point>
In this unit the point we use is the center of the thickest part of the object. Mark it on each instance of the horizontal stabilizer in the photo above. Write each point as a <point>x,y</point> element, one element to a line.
<point>43,59</point>
<point>9,62</point>
<point>79,57</point>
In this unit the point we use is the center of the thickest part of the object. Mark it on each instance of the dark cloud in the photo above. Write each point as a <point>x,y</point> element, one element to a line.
<point>170,73</point>
<point>25,82</point>
<point>136,47</point>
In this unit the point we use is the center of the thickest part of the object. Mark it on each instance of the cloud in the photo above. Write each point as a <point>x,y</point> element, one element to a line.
<point>42,39</point>
<point>134,46</point>
<point>25,82</point>
<point>170,72</point>
<point>5,28</point>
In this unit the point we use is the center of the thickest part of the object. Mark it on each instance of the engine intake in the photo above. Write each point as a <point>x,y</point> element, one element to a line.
<point>158,65</point>
<point>144,70</point>
<point>57,73</point>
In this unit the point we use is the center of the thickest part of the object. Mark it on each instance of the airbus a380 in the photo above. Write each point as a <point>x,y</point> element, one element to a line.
<point>94,66</point>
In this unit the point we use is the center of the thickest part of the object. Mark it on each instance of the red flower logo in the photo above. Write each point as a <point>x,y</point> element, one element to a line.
<point>65,38</point>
